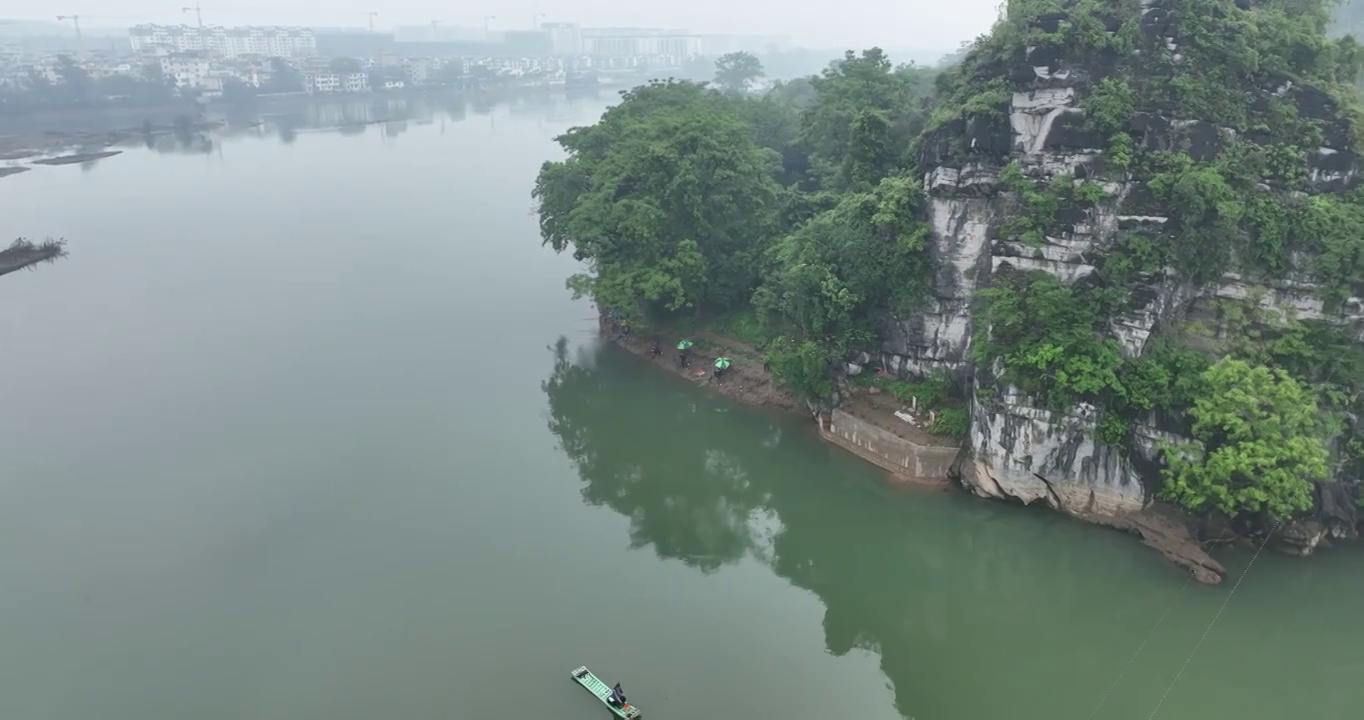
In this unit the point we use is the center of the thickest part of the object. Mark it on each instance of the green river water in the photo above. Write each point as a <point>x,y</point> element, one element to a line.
<point>308,427</point>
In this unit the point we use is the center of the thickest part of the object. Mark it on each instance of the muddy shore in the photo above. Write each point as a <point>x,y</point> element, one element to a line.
<point>1165,529</point>
<point>745,381</point>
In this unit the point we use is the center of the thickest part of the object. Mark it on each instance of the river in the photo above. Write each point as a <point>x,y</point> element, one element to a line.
<point>307,426</point>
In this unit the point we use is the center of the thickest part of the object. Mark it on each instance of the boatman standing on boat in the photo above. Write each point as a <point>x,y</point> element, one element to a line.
<point>617,696</point>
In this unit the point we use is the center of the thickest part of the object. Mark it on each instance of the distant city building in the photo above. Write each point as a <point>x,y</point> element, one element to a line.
<point>420,70</point>
<point>188,69</point>
<point>565,39</point>
<point>329,82</point>
<point>225,42</point>
<point>633,42</point>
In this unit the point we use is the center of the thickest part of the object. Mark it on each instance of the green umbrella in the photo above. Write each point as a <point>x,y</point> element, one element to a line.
<point>722,363</point>
<point>684,345</point>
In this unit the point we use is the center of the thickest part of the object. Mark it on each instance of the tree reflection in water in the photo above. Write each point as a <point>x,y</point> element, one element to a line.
<point>689,502</point>
<point>922,579</point>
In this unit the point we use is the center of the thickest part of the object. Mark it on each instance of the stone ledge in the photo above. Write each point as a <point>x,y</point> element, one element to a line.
<point>905,460</point>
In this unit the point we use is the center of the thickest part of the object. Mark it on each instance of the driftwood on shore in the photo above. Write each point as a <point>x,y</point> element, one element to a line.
<point>25,254</point>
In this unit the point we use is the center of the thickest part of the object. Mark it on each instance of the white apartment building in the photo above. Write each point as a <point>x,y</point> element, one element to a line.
<point>355,82</point>
<point>420,70</point>
<point>334,83</point>
<point>289,42</point>
<point>188,69</point>
<point>325,83</point>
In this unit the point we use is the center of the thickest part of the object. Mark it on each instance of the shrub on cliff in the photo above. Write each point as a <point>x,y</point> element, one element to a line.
<point>1262,442</point>
<point>827,280</point>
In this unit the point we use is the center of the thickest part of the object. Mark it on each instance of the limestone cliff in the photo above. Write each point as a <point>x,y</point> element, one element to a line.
<point>1025,105</point>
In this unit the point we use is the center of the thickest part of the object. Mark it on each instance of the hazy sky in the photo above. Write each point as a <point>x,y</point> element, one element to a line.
<point>889,23</point>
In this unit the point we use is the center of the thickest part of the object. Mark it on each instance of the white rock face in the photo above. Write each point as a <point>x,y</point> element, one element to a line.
<point>938,336</point>
<point>1018,449</point>
<point>1033,114</point>
<point>1030,454</point>
<point>1166,297</point>
<point>1059,256</point>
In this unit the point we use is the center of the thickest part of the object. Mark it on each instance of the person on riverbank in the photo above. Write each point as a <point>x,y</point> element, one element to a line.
<point>721,365</point>
<point>655,350</point>
<point>684,353</point>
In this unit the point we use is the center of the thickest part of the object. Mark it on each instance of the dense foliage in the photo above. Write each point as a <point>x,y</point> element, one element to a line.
<point>737,72</point>
<point>669,199</point>
<point>1222,121</point>
<point>795,205</point>
<point>1262,443</point>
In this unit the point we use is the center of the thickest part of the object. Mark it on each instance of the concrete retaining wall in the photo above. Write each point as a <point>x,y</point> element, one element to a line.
<point>925,464</point>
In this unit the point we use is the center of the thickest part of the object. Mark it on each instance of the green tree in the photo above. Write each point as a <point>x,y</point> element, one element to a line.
<point>74,79</point>
<point>736,72</point>
<point>1263,444</point>
<point>864,107</point>
<point>668,198</point>
<point>154,76</point>
<point>236,91</point>
<point>284,77</point>
<point>829,281</point>
<point>802,366</point>
<point>1047,335</point>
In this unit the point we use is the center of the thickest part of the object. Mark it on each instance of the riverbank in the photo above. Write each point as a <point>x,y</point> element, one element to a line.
<point>745,381</point>
<point>1164,529</point>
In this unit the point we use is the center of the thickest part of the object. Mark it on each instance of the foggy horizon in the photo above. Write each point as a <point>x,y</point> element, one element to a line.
<point>852,24</point>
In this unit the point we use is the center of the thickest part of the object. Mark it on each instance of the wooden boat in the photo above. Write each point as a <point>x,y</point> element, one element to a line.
<point>602,691</point>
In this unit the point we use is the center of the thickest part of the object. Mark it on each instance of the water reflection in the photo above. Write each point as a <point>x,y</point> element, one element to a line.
<point>703,521</point>
<point>390,117</point>
<point>948,591</point>
<point>287,118</point>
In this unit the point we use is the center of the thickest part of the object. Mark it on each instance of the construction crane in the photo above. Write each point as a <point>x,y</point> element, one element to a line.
<point>75,22</point>
<point>372,15</point>
<point>198,13</point>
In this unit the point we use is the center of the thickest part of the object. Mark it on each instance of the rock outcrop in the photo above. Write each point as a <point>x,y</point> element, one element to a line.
<point>1019,448</point>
